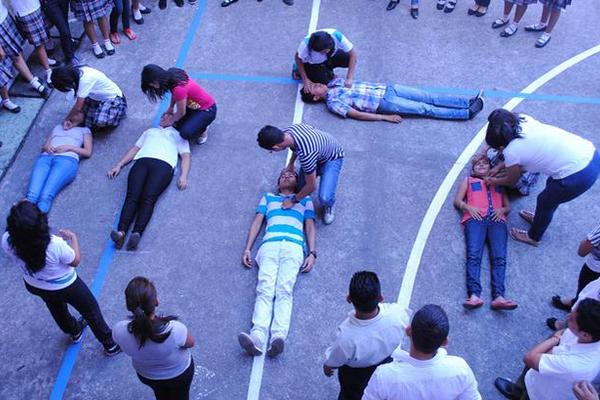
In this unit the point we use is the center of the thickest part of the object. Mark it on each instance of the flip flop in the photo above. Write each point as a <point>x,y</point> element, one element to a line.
<point>507,305</point>
<point>130,34</point>
<point>527,216</point>
<point>115,38</point>
<point>522,236</point>
<point>471,305</point>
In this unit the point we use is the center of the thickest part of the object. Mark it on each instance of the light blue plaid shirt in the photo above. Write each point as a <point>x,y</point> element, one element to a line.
<point>362,96</point>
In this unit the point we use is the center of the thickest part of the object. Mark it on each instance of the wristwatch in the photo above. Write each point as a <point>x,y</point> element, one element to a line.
<point>314,253</point>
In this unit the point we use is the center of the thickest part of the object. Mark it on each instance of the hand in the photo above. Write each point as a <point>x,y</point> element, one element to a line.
<point>494,171</point>
<point>166,120</point>
<point>585,391</point>
<point>490,181</point>
<point>308,263</point>
<point>392,118</point>
<point>48,149</point>
<point>308,86</point>
<point>327,370</point>
<point>67,124</point>
<point>66,234</point>
<point>473,212</point>
<point>348,82</point>
<point>247,259</point>
<point>287,204</point>
<point>113,172</point>
<point>182,183</point>
<point>61,149</point>
<point>498,214</point>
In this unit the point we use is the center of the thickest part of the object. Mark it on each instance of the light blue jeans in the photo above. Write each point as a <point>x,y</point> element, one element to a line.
<point>405,100</point>
<point>329,173</point>
<point>49,176</point>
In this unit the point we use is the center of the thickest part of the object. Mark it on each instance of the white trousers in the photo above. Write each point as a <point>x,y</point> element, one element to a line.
<point>278,266</point>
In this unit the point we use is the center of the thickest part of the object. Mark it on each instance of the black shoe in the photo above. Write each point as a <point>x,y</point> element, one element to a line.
<point>146,10</point>
<point>508,388</point>
<point>475,108</point>
<point>133,241</point>
<point>162,4</point>
<point>480,14</point>
<point>78,336</point>
<point>139,21</point>
<point>440,4</point>
<point>557,303</point>
<point>288,2</point>
<point>474,99</point>
<point>414,13</point>
<point>118,238</point>
<point>551,323</point>
<point>392,4</point>
<point>179,3</point>
<point>470,11</point>
<point>112,350</point>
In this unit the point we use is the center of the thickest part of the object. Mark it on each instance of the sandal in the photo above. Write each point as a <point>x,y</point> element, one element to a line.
<point>472,11</point>
<point>536,27</point>
<point>509,31</point>
<point>551,323</point>
<point>473,303</point>
<point>527,216</point>
<point>500,22</point>
<point>115,38</point>
<point>480,13</point>
<point>522,236</point>
<point>392,4</point>
<point>130,34</point>
<point>227,3</point>
<point>542,40</point>
<point>450,5</point>
<point>440,4</point>
<point>558,303</point>
<point>503,304</point>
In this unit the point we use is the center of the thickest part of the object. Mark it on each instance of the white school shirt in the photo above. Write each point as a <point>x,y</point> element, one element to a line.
<point>57,274</point>
<point>3,12</point>
<point>25,7</point>
<point>548,149</point>
<point>309,56</point>
<point>363,343</point>
<point>443,377</point>
<point>162,144</point>
<point>565,365</point>
<point>97,86</point>
<point>72,137</point>
<point>590,291</point>
<point>164,360</point>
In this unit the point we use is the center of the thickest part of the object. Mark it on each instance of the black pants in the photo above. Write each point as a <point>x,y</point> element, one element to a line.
<point>121,8</point>
<point>482,3</point>
<point>194,122</point>
<point>79,297</point>
<point>323,73</point>
<point>57,12</point>
<point>586,275</point>
<point>147,179</point>
<point>354,381</point>
<point>177,388</point>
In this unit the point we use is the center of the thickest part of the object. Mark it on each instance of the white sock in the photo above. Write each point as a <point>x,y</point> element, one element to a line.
<point>142,7</point>
<point>96,47</point>
<point>137,14</point>
<point>49,75</point>
<point>108,45</point>
<point>9,105</point>
<point>35,83</point>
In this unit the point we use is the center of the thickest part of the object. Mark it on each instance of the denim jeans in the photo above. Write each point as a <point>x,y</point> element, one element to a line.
<point>406,100</point>
<point>558,191</point>
<point>194,122</point>
<point>49,176</point>
<point>330,174</point>
<point>121,8</point>
<point>476,233</point>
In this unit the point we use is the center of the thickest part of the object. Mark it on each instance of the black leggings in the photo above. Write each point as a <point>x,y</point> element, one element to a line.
<point>147,179</point>
<point>57,11</point>
<point>177,388</point>
<point>323,73</point>
<point>79,296</point>
<point>586,275</point>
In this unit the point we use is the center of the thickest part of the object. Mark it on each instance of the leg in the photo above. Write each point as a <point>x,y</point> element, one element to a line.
<point>545,14</point>
<point>507,8</point>
<point>103,24</point>
<point>475,234</point>
<point>268,267</point>
<point>126,15</point>
<point>330,173</point>
<point>42,56</point>
<point>586,275</point>
<point>39,174</point>
<point>519,13</point>
<point>159,389</point>
<point>400,106</point>
<point>57,13</point>
<point>179,387</point>
<point>192,126</point>
<point>57,306</point>
<point>135,185</point>
<point>62,172</point>
<point>554,15</point>
<point>159,176</point>
<point>422,96</point>
<point>497,235</point>
<point>90,31</point>
<point>291,258</point>
<point>115,13</point>
<point>23,69</point>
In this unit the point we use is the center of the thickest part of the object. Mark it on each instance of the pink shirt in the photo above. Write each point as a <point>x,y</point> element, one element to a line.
<point>197,98</point>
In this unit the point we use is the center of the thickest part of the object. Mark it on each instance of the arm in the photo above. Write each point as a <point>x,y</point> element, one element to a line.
<point>177,115</point>
<point>585,248</point>
<point>309,231</point>
<point>533,356</point>
<point>585,391</point>
<point>510,179</point>
<point>186,161</point>
<point>71,237</point>
<point>351,68</point>
<point>114,171</point>
<point>189,341</point>
<point>252,234</point>
<point>290,166</point>
<point>309,186</point>
<point>85,151</point>
<point>305,81</point>
<point>74,116</point>
<point>365,116</point>
<point>502,211</point>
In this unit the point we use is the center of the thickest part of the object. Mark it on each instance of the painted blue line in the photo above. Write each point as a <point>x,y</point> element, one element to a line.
<point>455,91</point>
<point>70,357</point>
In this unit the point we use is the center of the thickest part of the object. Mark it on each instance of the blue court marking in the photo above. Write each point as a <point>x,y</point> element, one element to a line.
<point>68,362</point>
<point>454,91</point>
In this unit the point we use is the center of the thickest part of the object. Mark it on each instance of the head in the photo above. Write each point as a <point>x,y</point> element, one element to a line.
<point>365,291</point>
<point>503,127</point>
<point>271,138</point>
<point>156,81</point>
<point>584,321</point>
<point>29,234</point>
<point>429,329</point>
<point>319,94</point>
<point>321,42</point>
<point>480,165</point>
<point>66,78</point>
<point>287,181</point>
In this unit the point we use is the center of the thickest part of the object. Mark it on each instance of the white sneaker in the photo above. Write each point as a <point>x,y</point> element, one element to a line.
<point>202,138</point>
<point>250,343</point>
<point>328,215</point>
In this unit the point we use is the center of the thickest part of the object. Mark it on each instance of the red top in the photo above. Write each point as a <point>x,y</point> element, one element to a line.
<point>480,196</point>
<point>197,98</point>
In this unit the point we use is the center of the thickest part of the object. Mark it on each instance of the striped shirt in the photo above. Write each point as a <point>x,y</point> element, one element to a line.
<point>314,147</point>
<point>362,96</point>
<point>285,225</point>
<point>593,259</point>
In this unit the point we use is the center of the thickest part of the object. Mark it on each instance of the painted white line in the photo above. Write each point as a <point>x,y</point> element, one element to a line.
<point>258,363</point>
<point>412,266</point>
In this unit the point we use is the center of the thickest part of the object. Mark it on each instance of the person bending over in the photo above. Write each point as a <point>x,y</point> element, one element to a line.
<point>369,101</point>
<point>155,155</point>
<point>279,258</point>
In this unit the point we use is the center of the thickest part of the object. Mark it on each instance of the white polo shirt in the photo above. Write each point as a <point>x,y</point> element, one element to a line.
<point>443,377</point>
<point>25,7</point>
<point>590,291</point>
<point>340,42</point>
<point>565,365</point>
<point>162,144</point>
<point>363,343</point>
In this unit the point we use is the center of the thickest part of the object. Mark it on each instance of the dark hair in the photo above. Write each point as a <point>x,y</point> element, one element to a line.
<point>295,174</point>
<point>320,41</point>
<point>269,136</point>
<point>308,97</point>
<point>588,317</point>
<point>503,127</point>
<point>429,328</point>
<point>365,291</point>
<point>478,157</point>
<point>29,234</point>
<point>66,78</point>
<point>140,298</point>
<point>166,80</point>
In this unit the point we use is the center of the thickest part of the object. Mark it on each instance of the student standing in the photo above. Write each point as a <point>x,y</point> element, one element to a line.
<point>550,14</point>
<point>90,11</point>
<point>57,12</point>
<point>5,78</point>
<point>121,9</point>
<point>505,19</point>
<point>414,7</point>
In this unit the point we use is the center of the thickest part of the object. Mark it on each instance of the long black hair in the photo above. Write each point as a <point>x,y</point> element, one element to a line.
<point>29,234</point>
<point>503,127</point>
<point>66,78</point>
<point>321,40</point>
<point>166,80</point>
<point>141,300</point>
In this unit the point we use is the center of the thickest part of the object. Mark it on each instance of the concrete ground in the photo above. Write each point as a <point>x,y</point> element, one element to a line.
<point>193,245</point>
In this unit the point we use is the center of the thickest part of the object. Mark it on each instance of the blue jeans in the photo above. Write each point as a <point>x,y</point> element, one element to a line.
<point>329,173</point>
<point>406,100</point>
<point>476,233</point>
<point>558,191</point>
<point>49,176</point>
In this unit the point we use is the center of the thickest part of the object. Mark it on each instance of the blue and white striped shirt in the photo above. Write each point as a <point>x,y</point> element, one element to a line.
<point>283,224</point>
<point>314,147</point>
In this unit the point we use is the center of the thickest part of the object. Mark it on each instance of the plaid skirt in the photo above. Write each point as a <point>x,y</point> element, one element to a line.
<point>523,2</point>
<point>6,72</point>
<point>91,10</point>
<point>33,27</point>
<point>10,38</point>
<point>556,4</point>
<point>104,114</point>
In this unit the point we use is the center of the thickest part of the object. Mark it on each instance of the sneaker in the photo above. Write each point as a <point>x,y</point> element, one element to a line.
<point>328,216</point>
<point>78,336</point>
<point>134,240</point>
<point>119,238</point>
<point>10,106</point>
<point>249,343</point>
<point>276,347</point>
<point>476,107</point>
<point>112,350</point>
<point>202,138</point>
<point>162,4</point>
<point>37,84</point>
<point>179,3</point>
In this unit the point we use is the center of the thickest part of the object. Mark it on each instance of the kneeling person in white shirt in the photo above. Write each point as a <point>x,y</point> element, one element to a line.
<point>426,372</point>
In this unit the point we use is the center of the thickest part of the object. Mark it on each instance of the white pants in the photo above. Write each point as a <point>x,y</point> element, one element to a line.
<point>278,266</point>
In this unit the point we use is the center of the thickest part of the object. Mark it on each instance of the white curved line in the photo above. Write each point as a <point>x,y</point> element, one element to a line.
<point>412,266</point>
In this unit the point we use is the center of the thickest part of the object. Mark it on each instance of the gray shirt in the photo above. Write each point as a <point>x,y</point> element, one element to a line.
<point>164,360</point>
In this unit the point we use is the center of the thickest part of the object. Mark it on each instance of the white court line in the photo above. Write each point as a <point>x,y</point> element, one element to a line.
<point>412,266</point>
<point>258,363</point>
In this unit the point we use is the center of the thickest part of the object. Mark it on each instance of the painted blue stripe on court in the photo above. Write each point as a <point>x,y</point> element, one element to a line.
<point>455,91</point>
<point>68,362</point>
